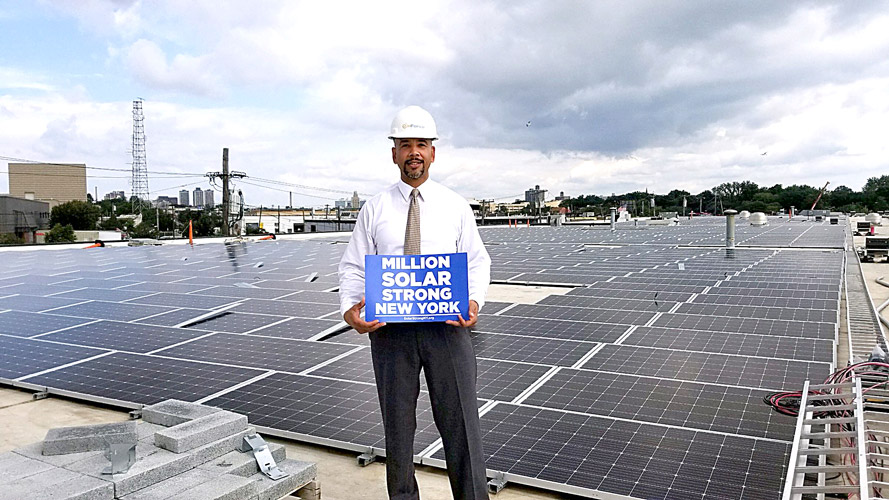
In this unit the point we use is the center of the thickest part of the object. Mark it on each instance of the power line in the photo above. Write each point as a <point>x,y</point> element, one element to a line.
<point>303,186</point>
<point>153,172</point>
<point>285,190</point>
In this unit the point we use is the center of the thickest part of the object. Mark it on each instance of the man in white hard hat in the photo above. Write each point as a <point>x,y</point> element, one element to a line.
<point>441,221</point>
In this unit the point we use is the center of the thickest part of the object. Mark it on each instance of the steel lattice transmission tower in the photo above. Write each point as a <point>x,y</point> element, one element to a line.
<point>140,165</point>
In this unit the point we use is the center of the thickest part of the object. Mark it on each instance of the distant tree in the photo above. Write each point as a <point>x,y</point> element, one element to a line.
<point>78,214</point>
<point>800,197</point>
<point>89,198</point>
<point>876,193</point>
<point>143,230</point>
<point>61,234</point>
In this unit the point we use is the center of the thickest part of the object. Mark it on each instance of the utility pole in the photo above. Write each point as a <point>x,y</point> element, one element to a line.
<point>291,200</point>
<point>226,198</point>
<point>225,175</point>
<point>279,220</point>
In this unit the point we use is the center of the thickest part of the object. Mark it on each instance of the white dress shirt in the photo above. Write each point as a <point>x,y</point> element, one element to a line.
<point>447,225</point>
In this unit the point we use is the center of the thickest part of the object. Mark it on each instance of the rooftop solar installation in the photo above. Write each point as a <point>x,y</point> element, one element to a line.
<point>645,380</point>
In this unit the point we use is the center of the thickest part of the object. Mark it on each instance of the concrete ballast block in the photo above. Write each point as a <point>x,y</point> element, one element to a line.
<point>64,440</point>
<point>200,431</point>
<point>174,412</point>
<point>58,484</point>
<point>155,464</point>
<point>224,487</point>
<point>243,463</point>
<point>300,474</point>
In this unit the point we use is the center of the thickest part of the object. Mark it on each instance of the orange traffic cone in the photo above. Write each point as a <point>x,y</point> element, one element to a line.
<point>97,244</point>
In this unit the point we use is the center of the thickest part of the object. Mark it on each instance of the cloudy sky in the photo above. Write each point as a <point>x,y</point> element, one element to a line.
<point>620,96</point>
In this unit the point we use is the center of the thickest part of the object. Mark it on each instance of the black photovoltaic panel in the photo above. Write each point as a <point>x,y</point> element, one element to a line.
<point>500,380</point>
<point>615,317</point>
<point>350,336</point>
<point>27,324</point>
<point>33,303</point>
<point>286,308</point>
<point>172,318</point>
<point>504,380</point>
<point>314,296</point>
<point>781,328</point>
<point>257,352</point>
<point>764,373</point>
<point>166,287</point>
<point>298,328</point>
<point>23,286</point>
<point>553,352</point>
<point>769,292</point>
<point>651,304</point>
<point>184,300</point>
<point>647,287</point>
<point>492,307</point>
<point>20,357</point>
<point>116,335</point>
<point>691,405</point>
<point>112,310</point>
<point>734,343</point>
<point>110,295</point>
<point>630,458</point>
<point>744,300</point>
<point>550,328</point>
<point>244,292</point>
<point>629,294</point>
<point>331,409</point>
<point>779,285</point>
<point>141,379</point>
<point>236,323</point>
<point>737,311</point>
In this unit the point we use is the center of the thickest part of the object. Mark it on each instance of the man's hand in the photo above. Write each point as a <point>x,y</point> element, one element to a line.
<point>353,318</point>
<point>473,317</point>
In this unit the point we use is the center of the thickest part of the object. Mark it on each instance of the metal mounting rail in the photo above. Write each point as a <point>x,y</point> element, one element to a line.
<point>830,424</point>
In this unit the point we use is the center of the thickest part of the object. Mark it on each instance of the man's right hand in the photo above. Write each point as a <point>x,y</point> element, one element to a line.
<point>353,318</point>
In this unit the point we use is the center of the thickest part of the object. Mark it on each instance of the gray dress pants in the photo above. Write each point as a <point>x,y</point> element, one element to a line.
<point>445,354</point>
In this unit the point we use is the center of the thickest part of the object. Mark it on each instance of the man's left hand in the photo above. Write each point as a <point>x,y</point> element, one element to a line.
<point>473,317</point>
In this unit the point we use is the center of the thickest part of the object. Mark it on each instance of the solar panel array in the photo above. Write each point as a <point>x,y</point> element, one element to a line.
<point>645,380</point>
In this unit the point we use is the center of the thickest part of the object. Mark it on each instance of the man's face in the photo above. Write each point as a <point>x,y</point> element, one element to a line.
<point>413,157</point>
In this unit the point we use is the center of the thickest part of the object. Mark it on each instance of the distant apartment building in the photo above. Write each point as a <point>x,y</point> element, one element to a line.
<point>54,183</point>
<point>198,197</point>
<point>183,197</point>
<point>116,195</point>
<point>208,199</point>
<point>166,201</point>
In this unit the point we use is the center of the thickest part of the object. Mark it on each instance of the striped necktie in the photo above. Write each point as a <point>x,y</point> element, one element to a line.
<point>412,230</point>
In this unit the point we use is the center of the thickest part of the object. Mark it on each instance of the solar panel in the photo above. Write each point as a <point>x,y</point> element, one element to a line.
<point>569,330</point>
<point>20,357</point>
<point>27,324</point>
<point>764,373</point>
<point>33,303</point>
<point>121,336</point>
<point>236,322</point>
<point>734,343</point>
<point>141,379</point>
<point>184,300</point>
<point>552,352</point>
<point>285,308</point>
<point>591,454</point>
<point>782,313</point>
<point>616,317</point>
<point>344,412</point>
<point>111,310</point>
<point>782,328</point>
<point>257,352</point>
<point>732,410</point>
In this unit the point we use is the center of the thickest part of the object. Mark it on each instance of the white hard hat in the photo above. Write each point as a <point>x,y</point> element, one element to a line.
<point>413,122</point>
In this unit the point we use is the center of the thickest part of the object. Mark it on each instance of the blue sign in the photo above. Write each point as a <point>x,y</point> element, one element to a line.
<point>416,288</point>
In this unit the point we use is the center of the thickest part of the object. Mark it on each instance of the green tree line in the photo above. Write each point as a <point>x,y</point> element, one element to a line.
<point>108,215</point>
<point>746,195</point>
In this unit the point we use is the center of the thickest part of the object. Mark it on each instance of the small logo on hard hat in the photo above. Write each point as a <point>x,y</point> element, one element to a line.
<point>410,125</point>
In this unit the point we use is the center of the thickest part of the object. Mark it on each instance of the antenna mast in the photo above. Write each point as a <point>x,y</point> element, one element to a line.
<point>140,165</point>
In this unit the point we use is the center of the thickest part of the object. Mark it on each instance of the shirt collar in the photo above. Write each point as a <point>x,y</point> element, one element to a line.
<point>425,188</point>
